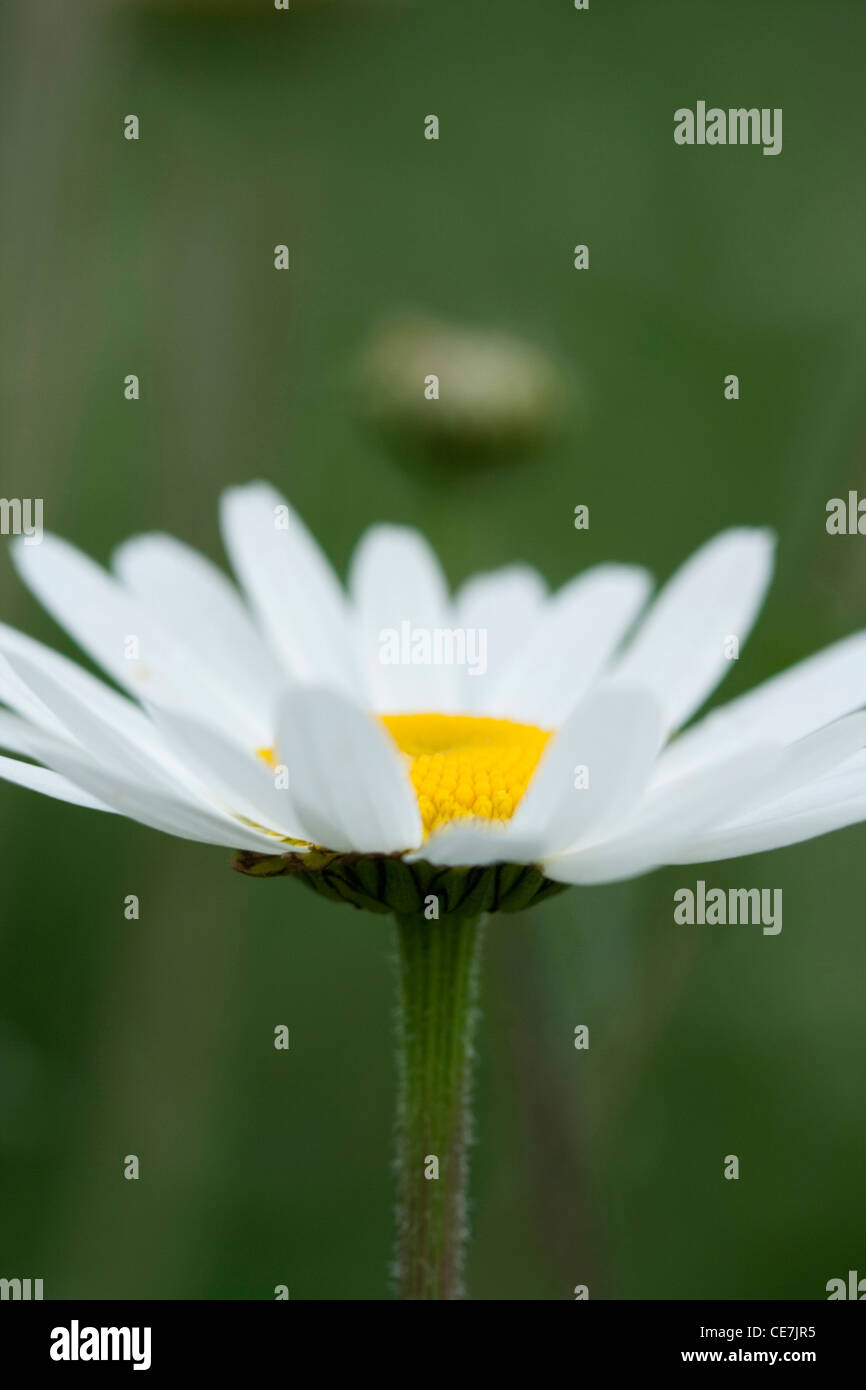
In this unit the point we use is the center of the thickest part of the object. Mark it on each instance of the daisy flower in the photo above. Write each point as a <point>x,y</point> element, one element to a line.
<point>430,756</point>
<point>275,724</point>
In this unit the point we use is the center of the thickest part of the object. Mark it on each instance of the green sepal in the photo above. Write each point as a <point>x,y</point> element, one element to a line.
<point>386,883</point>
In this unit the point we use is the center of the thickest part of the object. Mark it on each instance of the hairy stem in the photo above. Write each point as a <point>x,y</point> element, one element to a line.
<point>438,963</point>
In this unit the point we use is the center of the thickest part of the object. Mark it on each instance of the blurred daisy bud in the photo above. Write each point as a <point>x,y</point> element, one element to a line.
<point>457,394</point>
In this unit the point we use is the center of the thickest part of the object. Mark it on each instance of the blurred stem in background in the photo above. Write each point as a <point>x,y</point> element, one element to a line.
<point>438,965</point>
<point>547,1106</point>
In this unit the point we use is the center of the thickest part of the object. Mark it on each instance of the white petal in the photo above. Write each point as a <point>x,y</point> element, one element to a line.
<point>679,650</point>
<point>42,779</point>
<point>21,736</point>
<point>14,693</point>
<point>503,605</point>
<point>114,767</point>
<point>612,740</point>
<point>103,616</point>
<point>773,832</point>
<point>813,757</point>
<point>787,706</point>
<point>847,780</point>
<point>401,601</point>
<point>677,816</point>
<point>290,585</point>
<point>800,796</point>
<point>93,723</point>
<point>240,779</point>
<point>797,767</point>
<point>157,809</point>
<point>98,697</point>
<point>666,818</point>
<point>577,632</point>
<point>350,785</point>
<point>615,733</point>
<point>200,608</point>
<point>473,842</point>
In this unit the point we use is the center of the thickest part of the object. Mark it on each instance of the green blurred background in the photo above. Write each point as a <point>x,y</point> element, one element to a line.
<point>156,1037</point>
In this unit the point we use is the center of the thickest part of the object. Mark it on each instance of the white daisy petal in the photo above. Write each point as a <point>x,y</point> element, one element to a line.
<point>160,810</point>
<point>119,632</point>
<point>349,783</point>
<point>799,795</point>
<point>199,606</point>
<point>577,632</point>
<point>21,736</point>
<point>14,693</point>
<point>470,843</point>
<point>502,605</point>
<point>846,780</point>
<point>242,780</point>
<point>89,690</point>
<point>172,810</point>
<point>774,832</point>
<point>113,789</point>
<point>116,742</point>
<point>401,602</point>
<point>675,816</point>
<point>679,650</point>
<point>290,585</point>
<point>116,768</point>
<point>812,757</point>
<point>797,766</point>
<point>42,779</point>
<point>614,735</point>
<point>665,819</point>
<point>799,700</point>
<point>595,768</point>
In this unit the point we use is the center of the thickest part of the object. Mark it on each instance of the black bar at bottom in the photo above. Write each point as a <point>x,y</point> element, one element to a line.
<point>162,1338</point>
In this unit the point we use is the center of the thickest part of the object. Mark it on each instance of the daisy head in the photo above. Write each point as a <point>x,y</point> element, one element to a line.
<point>391,740</point>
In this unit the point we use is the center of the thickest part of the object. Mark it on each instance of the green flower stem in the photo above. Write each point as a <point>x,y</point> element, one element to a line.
<point>438,962</point>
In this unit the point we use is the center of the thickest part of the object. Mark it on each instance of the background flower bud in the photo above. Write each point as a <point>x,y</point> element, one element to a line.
<point>459,394</point>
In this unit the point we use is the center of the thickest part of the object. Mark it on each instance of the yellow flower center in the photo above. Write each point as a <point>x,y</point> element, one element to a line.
<point>465,765</point>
